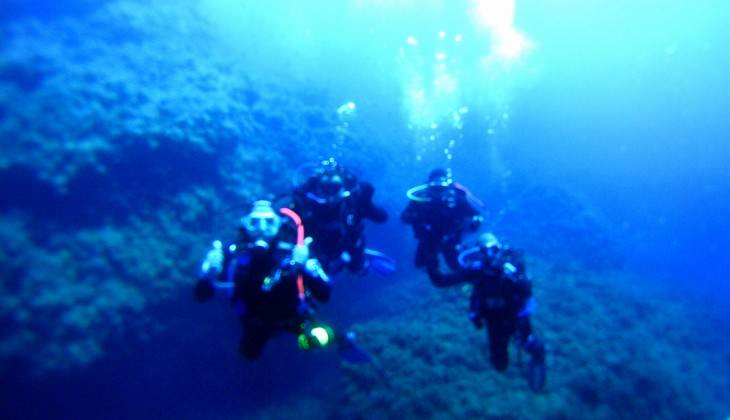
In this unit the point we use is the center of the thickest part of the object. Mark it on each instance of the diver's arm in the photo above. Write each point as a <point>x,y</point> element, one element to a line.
<point>522,284</point>
<point>316,281</point>
<point>375,213</point>
<point>410,214</point>
<point>212,264</point>
<point>369,209</point>
<point>211,275</point>
<point>475,304</point>
<point>520,288</point>
<point>526,303</point>
<point>210,269</point>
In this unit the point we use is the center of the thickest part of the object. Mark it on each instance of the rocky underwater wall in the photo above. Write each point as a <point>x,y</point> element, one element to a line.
<point>127,138</point>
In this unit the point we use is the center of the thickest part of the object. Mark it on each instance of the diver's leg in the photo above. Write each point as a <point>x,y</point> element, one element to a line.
<point>357,255</point>
<point>451,251</point>
<point>426,253</point>
<point>253,340</point>
<point>536,369</point>
<point>498,342</point>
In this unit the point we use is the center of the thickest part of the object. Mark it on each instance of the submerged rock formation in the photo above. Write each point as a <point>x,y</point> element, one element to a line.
<point>127,137</point>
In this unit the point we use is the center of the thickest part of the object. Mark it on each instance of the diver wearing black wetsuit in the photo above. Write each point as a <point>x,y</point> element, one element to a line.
<point>333,205</point>
<point>261,272</point>
<point>439,213</point>
<point>502,299</point>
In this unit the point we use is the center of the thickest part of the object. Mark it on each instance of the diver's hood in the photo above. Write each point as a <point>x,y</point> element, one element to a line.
<point>262,222</point>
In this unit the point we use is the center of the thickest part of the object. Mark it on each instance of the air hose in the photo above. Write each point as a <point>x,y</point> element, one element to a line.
<point>300,241</point>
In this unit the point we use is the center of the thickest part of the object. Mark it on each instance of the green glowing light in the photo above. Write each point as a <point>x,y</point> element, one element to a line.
<point>321,334</point>
<point>303,342</point>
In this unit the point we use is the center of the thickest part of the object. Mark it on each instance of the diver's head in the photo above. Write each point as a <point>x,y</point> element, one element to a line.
<point>490,244</point>
<point>261,223</point>
<point>329,186</point>
<point>440,176</point>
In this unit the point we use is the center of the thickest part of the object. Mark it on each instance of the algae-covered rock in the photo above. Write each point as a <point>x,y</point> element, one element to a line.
<point>615,350</point>
<point>129,140</point>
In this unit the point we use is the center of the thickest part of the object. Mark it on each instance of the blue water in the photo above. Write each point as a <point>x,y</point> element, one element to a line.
<point>597,134</point>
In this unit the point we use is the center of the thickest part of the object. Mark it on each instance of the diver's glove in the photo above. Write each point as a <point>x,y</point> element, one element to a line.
<point>213,263</point>
<point>211,266</point>
<point>300,253</point>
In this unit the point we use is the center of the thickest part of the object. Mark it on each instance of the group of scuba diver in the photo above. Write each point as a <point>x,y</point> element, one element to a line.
<point>278,268</point>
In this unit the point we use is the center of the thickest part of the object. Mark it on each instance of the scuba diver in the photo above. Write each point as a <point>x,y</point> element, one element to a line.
<point>440,212</point>
<point>271,280</point>
<point>333,205</point>
<point>502,300</point>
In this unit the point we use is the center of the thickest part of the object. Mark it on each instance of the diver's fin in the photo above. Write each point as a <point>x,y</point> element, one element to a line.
<point>536,375</point>
<point>351,352</point>
<point>536,370</point>
<point>379,262</point>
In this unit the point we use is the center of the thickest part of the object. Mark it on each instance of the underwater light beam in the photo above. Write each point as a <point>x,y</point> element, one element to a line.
<point>498,17</point>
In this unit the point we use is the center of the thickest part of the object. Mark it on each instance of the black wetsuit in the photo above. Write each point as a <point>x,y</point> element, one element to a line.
<point>266,295</point>
<point>498,296</point>
<point>439,223</point>
<point>338,227</point>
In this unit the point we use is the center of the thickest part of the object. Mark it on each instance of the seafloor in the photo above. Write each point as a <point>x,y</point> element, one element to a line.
<point>127,137</point>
